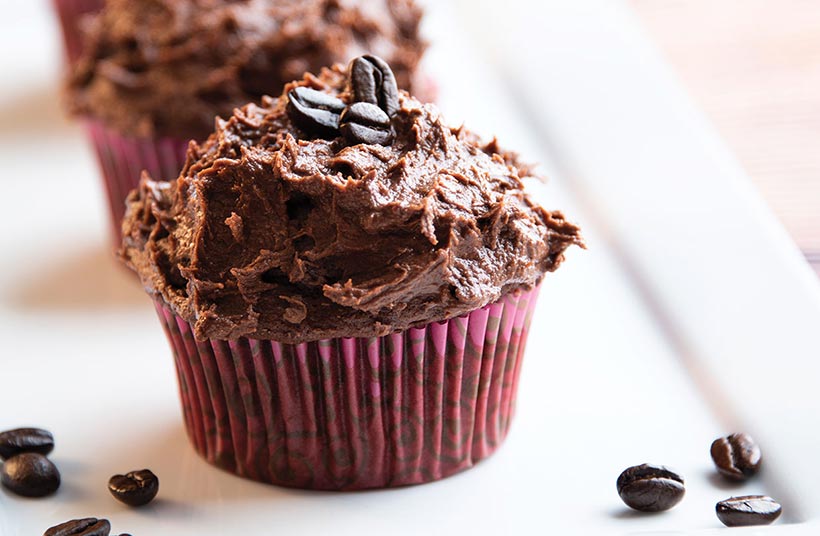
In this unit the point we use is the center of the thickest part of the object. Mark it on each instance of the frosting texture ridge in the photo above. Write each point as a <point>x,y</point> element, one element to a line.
<point>274,232</point>
<point>167,67</point>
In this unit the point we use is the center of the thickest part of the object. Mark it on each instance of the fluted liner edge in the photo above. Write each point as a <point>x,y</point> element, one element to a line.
<point>355,413</point>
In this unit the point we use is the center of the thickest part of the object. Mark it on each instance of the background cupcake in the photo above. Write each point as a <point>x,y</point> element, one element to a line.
<point>347,284</point>
<point>154,74</point>
<point>71,14</point>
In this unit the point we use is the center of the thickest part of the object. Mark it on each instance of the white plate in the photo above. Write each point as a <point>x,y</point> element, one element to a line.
<point>690,315</point>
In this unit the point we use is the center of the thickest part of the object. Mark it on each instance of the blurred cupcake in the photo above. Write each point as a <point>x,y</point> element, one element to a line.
<point>71,14</point>
<point>347,285</point>
<point>155,73</point>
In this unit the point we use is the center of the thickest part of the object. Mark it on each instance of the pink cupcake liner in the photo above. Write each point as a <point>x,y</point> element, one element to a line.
<point>122,160</point>
<point>355,413</point>
<point>70,13</point>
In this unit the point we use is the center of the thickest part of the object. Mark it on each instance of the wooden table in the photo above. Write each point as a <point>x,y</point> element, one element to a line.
<point>754,67</point>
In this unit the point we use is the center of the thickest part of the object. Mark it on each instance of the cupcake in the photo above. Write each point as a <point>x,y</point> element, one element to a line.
<point>155,73</point>
<point>347,284</point>
<point>71,14</point>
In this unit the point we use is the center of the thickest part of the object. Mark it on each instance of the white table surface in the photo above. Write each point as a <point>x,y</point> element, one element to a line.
<point>690,315</point>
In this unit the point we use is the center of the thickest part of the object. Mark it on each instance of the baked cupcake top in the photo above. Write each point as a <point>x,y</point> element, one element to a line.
<point>167,67</point>
<point>343,208</point>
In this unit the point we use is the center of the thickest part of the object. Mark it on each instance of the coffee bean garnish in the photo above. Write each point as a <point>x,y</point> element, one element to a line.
<point>373,82</point>
<point>315,112</point>
<point>14,442</point>
<point>89,526</point>
<point>737,457</point>
<point>136,488</point>
<point>367,120</point>
<point>30,475</point>
<point>650,488</point>
<point>363,122</point>
<point>748,510</point>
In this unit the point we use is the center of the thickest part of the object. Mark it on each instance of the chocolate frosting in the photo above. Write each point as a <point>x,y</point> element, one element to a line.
<point>272,233</point>
<point>167,67</point>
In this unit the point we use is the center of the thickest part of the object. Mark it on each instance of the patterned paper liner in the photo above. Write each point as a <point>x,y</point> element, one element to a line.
<point>70,12</point>
<point>122,160</point>
<point>355,413</point>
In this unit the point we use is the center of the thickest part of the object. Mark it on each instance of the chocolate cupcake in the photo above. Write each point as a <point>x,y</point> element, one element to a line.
<point>347,284</point>
<point>155,73</point>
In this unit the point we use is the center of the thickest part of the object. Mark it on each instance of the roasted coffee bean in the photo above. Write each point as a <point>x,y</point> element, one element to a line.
<point>363,122</point>
<point>365,114</point>
<point>650,488</point>
<point>136,488</point>
<point>373,82</point>
<point>737,457</point>
<point>14,442</point>
<point>355,134</point>
<point>748,510</point>
<point>90,526</point>
<point>365,80</point>
<point>30,475</point>
<point>314,111</point>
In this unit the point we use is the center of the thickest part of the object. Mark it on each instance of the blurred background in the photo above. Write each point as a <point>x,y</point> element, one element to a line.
<point>754,68</point>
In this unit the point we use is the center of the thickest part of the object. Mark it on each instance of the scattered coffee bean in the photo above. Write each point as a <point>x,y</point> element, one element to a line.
<point>14,442</point>
<point>650,488</point>
<point>363,122</point>
<point>748,510</point>
<point>737,457</point>
<point>30,475</point>
<point>90,526</point>
<point>136,488</point>
<point>314,111</point>
<point>373,82</point>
